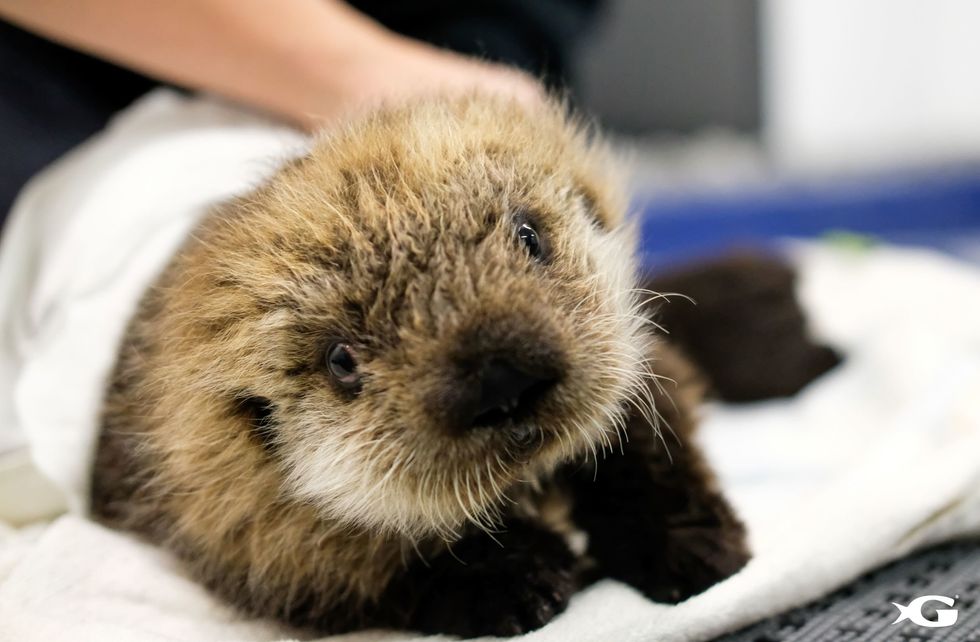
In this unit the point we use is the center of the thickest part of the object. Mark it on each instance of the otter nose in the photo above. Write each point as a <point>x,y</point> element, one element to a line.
<point>506,391</point>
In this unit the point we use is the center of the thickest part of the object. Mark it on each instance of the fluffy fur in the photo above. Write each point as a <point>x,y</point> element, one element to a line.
<point>226,441</point>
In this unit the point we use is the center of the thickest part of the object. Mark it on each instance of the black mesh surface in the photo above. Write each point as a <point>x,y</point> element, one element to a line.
<point>863,610</point>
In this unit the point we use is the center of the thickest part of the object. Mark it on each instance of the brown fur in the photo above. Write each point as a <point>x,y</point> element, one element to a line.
<point>225,440</point>
<point>741,322</point>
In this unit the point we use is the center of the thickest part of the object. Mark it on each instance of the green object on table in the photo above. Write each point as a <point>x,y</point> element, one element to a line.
<point>847,240</point>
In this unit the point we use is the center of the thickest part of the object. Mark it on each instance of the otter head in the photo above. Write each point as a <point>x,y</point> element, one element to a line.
<point>430,307</point>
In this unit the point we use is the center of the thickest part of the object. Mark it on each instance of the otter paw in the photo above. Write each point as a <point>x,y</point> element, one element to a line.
<point>694,559</point>
<point>501,589</point>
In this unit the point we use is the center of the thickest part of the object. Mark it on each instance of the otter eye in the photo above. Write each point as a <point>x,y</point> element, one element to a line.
<point>343,366</point>
<point>529,238</point>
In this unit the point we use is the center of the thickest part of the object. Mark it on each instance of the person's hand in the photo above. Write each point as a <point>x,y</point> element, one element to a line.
<point>388,68</point>
<point>312,62</point>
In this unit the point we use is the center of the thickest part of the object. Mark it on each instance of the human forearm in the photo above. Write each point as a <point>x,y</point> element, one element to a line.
<point>281,56</point>
<point>310,61</point>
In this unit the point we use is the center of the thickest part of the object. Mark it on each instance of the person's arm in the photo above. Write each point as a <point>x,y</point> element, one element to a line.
<point>310,61</point>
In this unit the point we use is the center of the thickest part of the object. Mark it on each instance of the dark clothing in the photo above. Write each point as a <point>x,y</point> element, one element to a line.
<point>52,98</point>
<point>536,35</point>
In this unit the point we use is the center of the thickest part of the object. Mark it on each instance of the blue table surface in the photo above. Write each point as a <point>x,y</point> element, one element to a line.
<point>938,208</point>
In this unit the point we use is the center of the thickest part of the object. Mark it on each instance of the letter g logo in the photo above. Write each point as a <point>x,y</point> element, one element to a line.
<point>913,612</point>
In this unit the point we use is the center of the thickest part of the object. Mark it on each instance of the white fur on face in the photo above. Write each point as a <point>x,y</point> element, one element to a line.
<point>365,473</point>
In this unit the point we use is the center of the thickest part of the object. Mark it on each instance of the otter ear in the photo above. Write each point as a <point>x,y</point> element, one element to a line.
<point>294,164</point>
<point>259,415</point>
<point>602,211</point>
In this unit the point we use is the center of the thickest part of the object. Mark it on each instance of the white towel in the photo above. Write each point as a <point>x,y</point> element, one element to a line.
<point>875,459</point>
<point>85,239</point>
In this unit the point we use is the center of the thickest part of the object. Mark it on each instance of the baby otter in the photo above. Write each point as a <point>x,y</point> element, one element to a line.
<point>394,385</point>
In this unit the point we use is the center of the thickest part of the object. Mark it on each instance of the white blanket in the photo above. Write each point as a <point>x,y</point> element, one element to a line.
<point>877,458</point>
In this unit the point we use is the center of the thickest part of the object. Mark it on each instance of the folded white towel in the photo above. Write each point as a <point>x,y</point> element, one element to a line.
<point>85,239</point>
<point>875,459</point>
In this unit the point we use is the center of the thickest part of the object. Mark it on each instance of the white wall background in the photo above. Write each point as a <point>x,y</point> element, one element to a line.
<point>859,82</point>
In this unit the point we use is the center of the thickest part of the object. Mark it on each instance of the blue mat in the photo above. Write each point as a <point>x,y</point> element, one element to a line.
<point>937,208</point>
